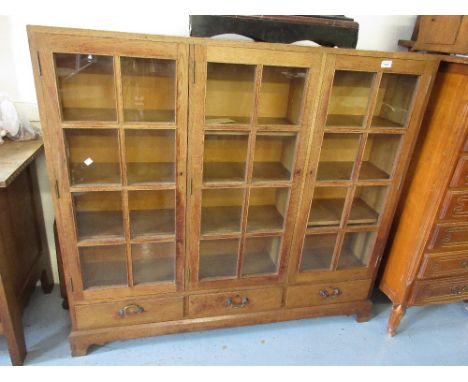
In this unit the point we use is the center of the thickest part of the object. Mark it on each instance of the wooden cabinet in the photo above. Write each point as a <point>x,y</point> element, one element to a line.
<point>24,255</point>
<point>204,183</point>
<point>428,257</point>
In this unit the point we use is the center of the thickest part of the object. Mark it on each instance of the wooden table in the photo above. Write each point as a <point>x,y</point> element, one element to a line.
<point>24,255</point>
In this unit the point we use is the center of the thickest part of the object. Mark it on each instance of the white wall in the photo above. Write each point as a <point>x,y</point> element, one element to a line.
<point>16,78</point>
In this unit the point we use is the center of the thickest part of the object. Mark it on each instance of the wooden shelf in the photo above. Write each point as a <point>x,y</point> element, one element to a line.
<point>97,173</point>
<point>149,115</point>
<point>316,258</point>
<point>89,114</point>
<point>371,172</point>
<point>256,263</point>
<point>268,171</point>
<point>326,212</point>
<point>152,222</point>
<point>275,121</point>
<point>362,213</point>
<point>264,218</point>
<point>104,274</point>
<point>334,171</point>
<point>154,270</point>
<point>223,172</point>
<point>219,265</point>
<point>223,219</point>
<point>349,260</point>
<point>378,121</point>
<point>226,120</point>
<point>345,120</point>
<point>150,172</point>
<point>99,225</point>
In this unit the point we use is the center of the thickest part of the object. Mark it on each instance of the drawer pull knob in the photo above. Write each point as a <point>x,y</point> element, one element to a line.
<point>242,302</point>
<point>131,309</point>
<point>464,264</point>
<point>459,290</point>
<point>334,293</point>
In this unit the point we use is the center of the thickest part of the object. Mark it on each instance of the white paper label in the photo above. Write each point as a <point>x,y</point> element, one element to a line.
<point>386,64</point>
<point>88,161</point>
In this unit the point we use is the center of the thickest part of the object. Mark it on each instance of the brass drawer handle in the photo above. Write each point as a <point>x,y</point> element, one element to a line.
<point>243,302</point>
<point>459,290</point>
<point>335,293</point>
<point>464,264</point>
<point>131,309</point>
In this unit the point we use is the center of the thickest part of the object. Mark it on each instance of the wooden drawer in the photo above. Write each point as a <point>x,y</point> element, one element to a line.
<point>437,291</point>
<point>449,236</point>
<point>460,176</point>
<point>329,293</point>
<point>455,205</point>
<point>444,264</point>
<point>247,301</point>
<point>129,312</point>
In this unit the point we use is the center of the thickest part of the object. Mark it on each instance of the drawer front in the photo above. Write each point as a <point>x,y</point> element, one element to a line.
<point>128,312</point>
<point>318,294</point>
<point>236,302</point>
<point>455,206</point>
<point>449,236</point>
<point>444,264</point>
<point>437,291</point>
<point>460,176</point>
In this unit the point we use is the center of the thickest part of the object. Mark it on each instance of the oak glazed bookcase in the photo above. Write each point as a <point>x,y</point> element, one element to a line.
<point>205,183</point>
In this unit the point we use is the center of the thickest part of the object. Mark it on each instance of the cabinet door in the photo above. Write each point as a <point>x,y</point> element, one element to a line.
<point>116,135</point>
<point>250,113</point>
<point>368,118</point>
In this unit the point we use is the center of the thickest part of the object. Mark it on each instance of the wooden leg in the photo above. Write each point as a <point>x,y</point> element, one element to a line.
<point>364,314</point>
<point>398,311</point>
<point>46,282</point>
<point>10,315</point>
<point>78,349</point>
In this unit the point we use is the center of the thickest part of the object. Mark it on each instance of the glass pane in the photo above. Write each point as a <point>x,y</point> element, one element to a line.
<point>103,266</point>
<point>224,157</point>
<point>148,86</point>
<point>274,157</point>
<point>281,95</point>
<point>151,212</point>
<point>327,206</point>
<point>86,87</point>
<point>349,98</point>
<point>98,215</point>
<point>357,249</point>
<point>221,210</point>
<point>229,93</point>
<point>153,262</point>
<point>337,156</point>
<point>317,252</point>
<point>379,156</point>
<point>394,100</point>
<point>218,258</point>
<point>93,156</point>
<point>267,209</point>
<point>261,255</point>
<point>150,156</point>
<point>367,205</point>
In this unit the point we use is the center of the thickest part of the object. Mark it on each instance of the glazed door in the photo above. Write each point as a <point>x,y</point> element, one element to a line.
<point>117,120</point>
<point>367,123</point>
<point>250,112</point>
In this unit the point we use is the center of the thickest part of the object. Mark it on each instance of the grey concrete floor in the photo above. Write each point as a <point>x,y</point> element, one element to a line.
<point>432,335</point>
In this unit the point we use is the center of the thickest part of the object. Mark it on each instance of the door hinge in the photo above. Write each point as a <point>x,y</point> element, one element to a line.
<point>57,190</point>
<point>39,63</point>
<point>190,187</point>
<point>188,273</point>
<point>71,285</point>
